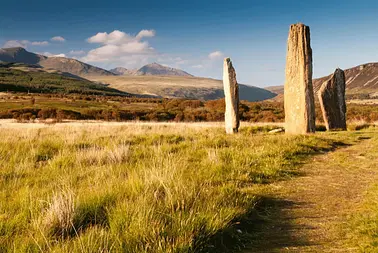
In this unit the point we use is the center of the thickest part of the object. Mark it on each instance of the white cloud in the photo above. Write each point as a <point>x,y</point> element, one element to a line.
<point>179,61</point>
<point>146,34</point>
<point>39,43</point>
<point>48,54</point>
<point>119,47</point>
<point>15,43</point>
<point>171,60</point>
<point>58,39</point>
<point>77,52</point>
<point>118,37</point>
<point>24,43</point>
<point>199,66</point>
<point>45,53</point>
<point>115,38</point>
<point>216,55</point>
<point>59,55</point>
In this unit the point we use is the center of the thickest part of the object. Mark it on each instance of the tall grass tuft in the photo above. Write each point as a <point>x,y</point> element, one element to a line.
<point>58,218</point>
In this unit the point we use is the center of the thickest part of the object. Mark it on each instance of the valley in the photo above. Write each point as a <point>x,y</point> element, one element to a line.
<point>179,87</point>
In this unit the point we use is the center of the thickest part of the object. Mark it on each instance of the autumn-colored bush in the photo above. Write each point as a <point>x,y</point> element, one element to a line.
<point>118,108</point>
<point>47,113</point>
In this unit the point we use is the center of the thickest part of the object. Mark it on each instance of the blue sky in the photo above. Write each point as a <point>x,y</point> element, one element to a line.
<point>195,35</point>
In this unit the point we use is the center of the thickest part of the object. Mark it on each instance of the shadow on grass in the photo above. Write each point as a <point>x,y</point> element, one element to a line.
<point>272,229</point>
<point>321,150</point>
<point>268,225</point>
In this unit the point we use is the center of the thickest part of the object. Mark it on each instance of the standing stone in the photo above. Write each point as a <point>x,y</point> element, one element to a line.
<point>299,95</point>
<point>332,101</point>
<point>231,94</point>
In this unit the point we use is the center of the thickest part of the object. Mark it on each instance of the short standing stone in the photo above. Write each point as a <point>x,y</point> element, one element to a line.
<point>299,94</point>
<point>231,93</point>
<point>332,101</point>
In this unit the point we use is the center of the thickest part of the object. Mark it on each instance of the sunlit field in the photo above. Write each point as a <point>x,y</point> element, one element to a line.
<point>140,188</point>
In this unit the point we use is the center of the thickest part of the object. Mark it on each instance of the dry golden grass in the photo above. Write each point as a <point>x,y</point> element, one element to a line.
<point>176,127</point>
<point>138,187</point>
<point>363,101</point>
<point>58,218</point>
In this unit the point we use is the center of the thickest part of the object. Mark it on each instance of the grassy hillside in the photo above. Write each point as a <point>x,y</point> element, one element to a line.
<point>180,87</point>
<point>140,189</point>
<point>25,78</point>
<point>73,66</point>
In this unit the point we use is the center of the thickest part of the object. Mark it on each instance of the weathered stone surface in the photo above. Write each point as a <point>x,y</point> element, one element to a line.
<point>298,94</point>
<point>276,131</point>
<point>231,93</point>
<point>332,101</point>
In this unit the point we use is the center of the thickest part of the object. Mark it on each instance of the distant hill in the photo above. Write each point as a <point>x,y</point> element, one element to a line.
<point>19,54</point>
<point>155,69</point>
<point>279,89</point>
<point>180,87</point>
<point>59,74</point>
<point>18,77</point>
<point>361,81</point>
<point>123,71</point>
<point>75,67</point>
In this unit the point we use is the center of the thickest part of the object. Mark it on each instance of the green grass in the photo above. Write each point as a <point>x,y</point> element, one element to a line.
<point>362,226</point>
<point>138,189</point>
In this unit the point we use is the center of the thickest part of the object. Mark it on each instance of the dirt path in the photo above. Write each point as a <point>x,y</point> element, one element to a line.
<point>306,214</point>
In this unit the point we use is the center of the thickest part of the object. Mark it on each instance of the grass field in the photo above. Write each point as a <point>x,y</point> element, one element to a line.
<point>141,188</point>
<point>362,225</point>
<point>8,102</point>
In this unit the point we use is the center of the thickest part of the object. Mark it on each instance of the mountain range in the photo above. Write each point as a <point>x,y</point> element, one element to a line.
<point>20,77</point>
<point>75,67</point>
<point>153,79</point>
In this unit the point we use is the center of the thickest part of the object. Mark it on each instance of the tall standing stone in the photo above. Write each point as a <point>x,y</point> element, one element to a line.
<point>332,101</point>
<point>231,94</point>
<point>299,95</point>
